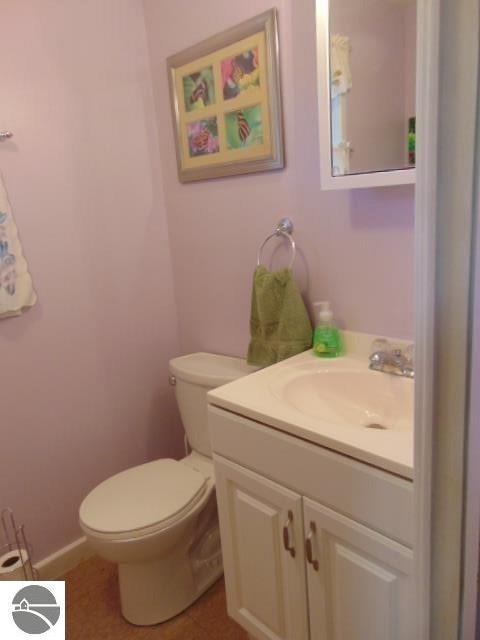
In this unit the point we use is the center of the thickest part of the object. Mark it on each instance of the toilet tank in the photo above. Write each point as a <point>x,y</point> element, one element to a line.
<point>194,375</point>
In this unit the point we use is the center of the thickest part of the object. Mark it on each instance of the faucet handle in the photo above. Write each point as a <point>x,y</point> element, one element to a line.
<point>392,358</point>
<point>409,353</point>
<point>380,345</point>
<point>378,353</point>
<point>409,366</point>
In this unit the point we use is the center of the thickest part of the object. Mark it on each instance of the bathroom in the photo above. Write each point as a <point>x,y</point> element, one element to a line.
<point>133,268</point>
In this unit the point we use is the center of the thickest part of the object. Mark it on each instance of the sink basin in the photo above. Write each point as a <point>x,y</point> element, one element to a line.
<point>361,399</point>
<point>339,404</point>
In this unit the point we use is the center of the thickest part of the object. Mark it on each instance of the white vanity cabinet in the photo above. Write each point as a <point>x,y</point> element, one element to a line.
<point>262,544</point>
<point>359,582</point>
<point>315,545</point>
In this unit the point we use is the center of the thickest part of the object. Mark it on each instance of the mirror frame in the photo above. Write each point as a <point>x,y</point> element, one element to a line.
<point>354,180</point>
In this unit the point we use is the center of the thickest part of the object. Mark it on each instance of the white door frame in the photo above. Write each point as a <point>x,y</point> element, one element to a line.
<point>447,79</point>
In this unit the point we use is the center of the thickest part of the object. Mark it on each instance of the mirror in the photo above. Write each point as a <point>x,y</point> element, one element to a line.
<point>366,60</point>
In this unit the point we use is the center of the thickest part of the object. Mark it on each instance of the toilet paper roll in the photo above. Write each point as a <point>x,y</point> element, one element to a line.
<point>11,567</point>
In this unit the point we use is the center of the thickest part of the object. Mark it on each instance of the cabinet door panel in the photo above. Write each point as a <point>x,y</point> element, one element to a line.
<point>266,591</point>
<point>362,588</point>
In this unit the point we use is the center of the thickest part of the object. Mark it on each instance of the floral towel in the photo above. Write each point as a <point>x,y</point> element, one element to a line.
<point>16,288</point>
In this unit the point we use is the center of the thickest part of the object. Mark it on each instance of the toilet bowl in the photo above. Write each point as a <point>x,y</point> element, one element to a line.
<point>158,521</point>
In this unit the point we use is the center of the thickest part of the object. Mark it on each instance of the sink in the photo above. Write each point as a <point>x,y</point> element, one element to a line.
<point>339,404</point>
<point>356,398</point>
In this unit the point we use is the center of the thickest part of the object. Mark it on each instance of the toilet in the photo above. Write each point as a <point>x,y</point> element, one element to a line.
<point>158,521</point>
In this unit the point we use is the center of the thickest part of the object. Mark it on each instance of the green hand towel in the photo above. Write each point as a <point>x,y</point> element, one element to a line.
<point>279,322</point>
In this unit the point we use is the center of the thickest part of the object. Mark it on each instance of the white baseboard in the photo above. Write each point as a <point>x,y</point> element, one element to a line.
<point>63,560</point>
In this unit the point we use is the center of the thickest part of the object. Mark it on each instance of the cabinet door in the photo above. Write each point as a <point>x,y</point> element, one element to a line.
<point>261,526</point>
<point>359,582</point>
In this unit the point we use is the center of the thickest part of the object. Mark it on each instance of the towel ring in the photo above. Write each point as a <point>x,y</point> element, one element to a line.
<point>285,229</point>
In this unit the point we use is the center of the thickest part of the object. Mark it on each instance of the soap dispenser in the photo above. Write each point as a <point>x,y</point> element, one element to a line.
<point>327,342</point>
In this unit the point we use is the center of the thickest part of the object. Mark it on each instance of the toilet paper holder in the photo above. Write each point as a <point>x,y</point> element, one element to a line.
<point>14,547</point>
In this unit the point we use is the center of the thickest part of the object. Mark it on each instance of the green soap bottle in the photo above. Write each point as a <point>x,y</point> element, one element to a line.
<point>327,342</point>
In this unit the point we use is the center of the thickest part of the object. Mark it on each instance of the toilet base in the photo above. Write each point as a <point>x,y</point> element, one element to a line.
<point>153,592</point>
<point>163,572</point>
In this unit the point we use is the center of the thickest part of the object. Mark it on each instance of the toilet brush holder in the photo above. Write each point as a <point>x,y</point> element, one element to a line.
<point>15,551</point>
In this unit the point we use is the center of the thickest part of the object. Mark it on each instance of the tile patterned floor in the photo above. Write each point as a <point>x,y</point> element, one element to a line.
<point>93,611</point>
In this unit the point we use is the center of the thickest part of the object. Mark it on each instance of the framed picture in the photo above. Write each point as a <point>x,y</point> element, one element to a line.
<point>226,102</point>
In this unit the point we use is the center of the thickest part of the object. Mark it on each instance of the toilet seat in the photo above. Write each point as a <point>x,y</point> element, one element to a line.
<point>142,500</point>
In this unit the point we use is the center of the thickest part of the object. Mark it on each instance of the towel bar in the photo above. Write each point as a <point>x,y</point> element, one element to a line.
<point>285,229</point>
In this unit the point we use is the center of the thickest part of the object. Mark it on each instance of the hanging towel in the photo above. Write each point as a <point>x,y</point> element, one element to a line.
<point>16,289</point>
<point>279,322</point>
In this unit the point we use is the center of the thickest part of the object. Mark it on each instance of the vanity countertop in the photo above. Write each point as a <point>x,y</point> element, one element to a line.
<point>336,403</point>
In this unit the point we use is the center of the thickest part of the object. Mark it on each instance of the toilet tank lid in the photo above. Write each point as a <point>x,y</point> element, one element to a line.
<point>209,369</point>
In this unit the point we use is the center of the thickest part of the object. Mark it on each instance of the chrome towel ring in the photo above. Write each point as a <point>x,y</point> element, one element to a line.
<point>285,229</point>
<point>4,135</point>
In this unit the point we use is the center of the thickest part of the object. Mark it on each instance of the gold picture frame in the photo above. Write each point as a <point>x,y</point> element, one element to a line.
<point>226,102</point>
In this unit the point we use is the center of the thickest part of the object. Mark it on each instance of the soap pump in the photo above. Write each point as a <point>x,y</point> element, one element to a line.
<point>327,342</point>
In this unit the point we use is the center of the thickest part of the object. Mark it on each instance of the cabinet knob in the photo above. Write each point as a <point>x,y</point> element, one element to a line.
<point>286,535</point>
<point>309,547</point>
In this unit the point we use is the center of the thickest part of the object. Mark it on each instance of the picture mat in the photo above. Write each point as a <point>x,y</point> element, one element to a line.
<point>248,98</point>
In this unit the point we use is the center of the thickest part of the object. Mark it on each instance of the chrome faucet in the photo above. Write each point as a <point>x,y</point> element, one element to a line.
<point>392,359</point>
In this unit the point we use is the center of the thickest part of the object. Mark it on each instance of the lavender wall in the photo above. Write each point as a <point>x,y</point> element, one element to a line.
<point>355,247</point>
<point>84,374</point>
